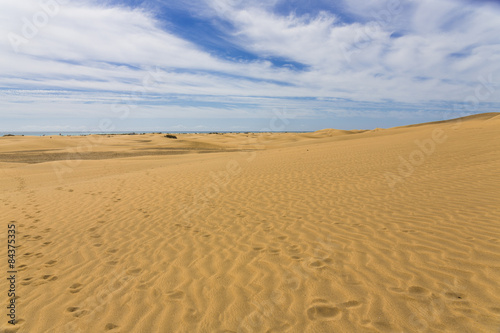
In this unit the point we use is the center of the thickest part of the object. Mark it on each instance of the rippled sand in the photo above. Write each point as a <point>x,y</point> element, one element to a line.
<point>390,230</point>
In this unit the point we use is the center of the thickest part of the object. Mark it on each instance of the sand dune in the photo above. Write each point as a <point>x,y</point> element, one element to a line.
<point>393,230</point>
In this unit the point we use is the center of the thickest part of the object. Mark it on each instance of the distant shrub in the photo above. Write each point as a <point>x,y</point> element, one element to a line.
<point>170,136</point>
<point>9,135</point>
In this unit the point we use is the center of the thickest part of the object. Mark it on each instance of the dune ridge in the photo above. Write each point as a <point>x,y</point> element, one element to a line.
<point>394,230</point>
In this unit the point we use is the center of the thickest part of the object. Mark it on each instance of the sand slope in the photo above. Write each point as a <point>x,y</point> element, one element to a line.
<point>392,230</point>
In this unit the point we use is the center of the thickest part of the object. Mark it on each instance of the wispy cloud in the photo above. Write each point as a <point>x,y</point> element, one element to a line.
<point>82,59</point>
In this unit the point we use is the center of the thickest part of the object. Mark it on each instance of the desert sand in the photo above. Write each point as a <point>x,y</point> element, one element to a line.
<point>388,230</point>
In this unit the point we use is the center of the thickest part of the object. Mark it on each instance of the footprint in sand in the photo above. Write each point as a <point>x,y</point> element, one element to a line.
<point>134,271</point>
<point>50,263</point>
<point>80,313</point>
<point>316,264</point>
<point>110,326</point>
<point>49,277</point>
<point>350,304</point>
<point>495,310</point>
<point>417,290</point>
<point>294,248</point>
<point>72,309</point>
<point>75,288</point>
<point>454,295</point>
<point>175,294</point>
<point>26,281</point>
<point>322,312</point>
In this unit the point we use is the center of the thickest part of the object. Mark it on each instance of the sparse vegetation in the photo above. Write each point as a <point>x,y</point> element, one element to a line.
<point>170,136</point>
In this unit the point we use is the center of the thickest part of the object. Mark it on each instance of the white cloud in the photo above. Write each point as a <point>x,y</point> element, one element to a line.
<point>115,49</point>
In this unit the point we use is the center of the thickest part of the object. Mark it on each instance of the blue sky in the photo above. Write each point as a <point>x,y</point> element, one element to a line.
<point>240,65</point>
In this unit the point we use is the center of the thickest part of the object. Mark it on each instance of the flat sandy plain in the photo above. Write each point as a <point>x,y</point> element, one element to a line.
<point>389,230</point>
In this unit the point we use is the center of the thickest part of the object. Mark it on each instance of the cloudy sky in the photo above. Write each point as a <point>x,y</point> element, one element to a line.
<point>83,65</point>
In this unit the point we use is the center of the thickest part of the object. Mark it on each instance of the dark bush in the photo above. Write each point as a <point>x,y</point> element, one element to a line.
<point>170,136</point>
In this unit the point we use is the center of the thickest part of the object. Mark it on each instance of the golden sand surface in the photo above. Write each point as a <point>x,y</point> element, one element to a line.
<point>389,230</point>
